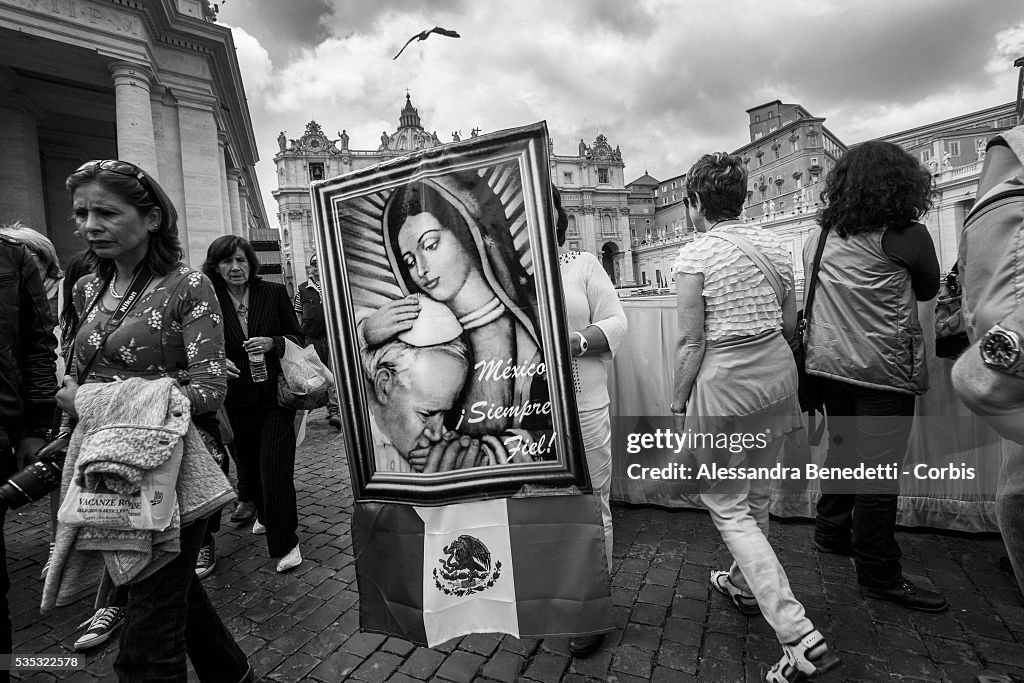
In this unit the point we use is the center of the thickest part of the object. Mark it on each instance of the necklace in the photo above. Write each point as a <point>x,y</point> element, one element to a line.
<point>113,292</point>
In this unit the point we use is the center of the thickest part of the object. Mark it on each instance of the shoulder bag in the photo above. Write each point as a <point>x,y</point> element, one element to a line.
<point>809,392</point>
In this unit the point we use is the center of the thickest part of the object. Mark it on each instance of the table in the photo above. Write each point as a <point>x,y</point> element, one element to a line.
<point>944,432</point>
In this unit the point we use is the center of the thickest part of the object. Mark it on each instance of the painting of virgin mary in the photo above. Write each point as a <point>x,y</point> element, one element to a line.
<point>448,238</point>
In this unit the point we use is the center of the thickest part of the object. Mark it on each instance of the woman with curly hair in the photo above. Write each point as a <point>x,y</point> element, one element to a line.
<point>865,343</point>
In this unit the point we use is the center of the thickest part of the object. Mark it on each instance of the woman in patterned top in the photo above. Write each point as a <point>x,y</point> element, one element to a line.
<point>173,330</point>
<point>735,375</point>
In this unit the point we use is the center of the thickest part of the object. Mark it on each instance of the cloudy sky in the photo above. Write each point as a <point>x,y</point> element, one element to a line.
<point>666,80</point>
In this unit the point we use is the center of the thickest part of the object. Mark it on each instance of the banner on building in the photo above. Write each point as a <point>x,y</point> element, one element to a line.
<point>447,324</point>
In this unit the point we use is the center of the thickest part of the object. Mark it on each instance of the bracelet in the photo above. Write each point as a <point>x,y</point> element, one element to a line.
<point>676,411</point>
<point>584,344</point>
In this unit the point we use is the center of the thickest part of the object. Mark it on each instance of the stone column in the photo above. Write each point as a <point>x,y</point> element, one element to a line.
<point>203,174</point>
<point>243,205</point>
<point>20,172</point>
<point>225,205</point>
<point>234,207</point>
<point>135,139</point>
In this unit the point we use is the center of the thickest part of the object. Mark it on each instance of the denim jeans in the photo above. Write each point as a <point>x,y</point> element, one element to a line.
<point>870,426</point>
<point>169,617</point>
<point>1010,505</point>
<point>739,509</point>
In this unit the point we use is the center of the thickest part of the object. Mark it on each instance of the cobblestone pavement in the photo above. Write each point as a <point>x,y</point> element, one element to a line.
<point>669,625</point>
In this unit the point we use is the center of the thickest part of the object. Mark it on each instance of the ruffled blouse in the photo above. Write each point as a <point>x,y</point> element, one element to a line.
<point>738,299</point>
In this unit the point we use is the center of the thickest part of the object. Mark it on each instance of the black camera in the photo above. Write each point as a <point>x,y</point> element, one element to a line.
<point>39,478</point>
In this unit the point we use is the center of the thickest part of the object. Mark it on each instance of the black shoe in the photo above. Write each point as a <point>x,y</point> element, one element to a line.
<point>906,594</point>
<point>244,513</point>
<point>585,646</point>
<point>334,420</point>
<point>844,549</point>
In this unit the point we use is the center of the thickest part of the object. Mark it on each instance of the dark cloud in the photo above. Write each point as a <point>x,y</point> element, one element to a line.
<point>281,27</point>
<point>900,58</point>
<point>627,18</point>
<point>361,15</point>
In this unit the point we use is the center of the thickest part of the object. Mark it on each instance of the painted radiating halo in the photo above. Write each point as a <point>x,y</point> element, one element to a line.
<point>436,324</point>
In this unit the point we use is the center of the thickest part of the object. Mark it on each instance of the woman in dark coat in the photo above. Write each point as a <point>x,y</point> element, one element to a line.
<point>258,316</point>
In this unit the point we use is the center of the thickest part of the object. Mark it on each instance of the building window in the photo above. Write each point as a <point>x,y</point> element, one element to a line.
<point>571,228</point>
<point>796,144</point>
<point>757,118</point>
<point>602,175</point>
<point>777,154</point>
<point>316,171</point>
<point>926,156</point>
<point>567,178</point>
<point>954,148</point>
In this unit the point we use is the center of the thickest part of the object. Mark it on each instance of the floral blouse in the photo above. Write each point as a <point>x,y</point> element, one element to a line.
<point>175,331</point>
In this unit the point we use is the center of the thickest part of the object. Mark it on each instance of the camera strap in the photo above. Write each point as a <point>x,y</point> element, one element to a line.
<point>143,276</point>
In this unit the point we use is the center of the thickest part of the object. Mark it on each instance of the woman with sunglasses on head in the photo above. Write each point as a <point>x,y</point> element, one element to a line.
<point>734,374</point>
<point>174,329</point>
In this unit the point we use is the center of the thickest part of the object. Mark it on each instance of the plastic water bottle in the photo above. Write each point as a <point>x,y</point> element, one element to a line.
<point>258,367</point>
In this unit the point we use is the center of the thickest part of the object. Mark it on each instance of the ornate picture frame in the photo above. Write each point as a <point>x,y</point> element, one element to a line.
<point>446,323</point>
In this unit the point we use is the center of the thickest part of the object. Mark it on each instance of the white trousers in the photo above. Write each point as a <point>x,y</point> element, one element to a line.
<point>739,508</point>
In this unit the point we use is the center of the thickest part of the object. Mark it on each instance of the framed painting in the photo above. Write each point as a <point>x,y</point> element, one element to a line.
<point>446,323</point>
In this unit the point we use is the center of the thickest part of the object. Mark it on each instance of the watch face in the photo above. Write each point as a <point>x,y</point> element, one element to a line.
<point>1000,348</point>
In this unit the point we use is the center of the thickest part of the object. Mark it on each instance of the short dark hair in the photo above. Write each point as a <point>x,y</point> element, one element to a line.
<point>224,248</point>
<point>145,194</point>
<point>720,180</point>
<point>875,185</point>
<point>561,217</point>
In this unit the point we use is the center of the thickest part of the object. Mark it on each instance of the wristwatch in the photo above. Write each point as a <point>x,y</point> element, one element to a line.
<point>583,344</point>
<point>1001,350</point>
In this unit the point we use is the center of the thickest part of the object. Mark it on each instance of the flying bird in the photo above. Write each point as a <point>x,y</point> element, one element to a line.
<point>423,35</point>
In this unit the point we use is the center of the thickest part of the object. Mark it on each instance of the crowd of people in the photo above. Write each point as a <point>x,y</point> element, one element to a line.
<point>148,345</point>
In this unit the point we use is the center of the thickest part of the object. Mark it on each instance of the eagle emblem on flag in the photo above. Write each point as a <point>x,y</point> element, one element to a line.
<point>467,569</point>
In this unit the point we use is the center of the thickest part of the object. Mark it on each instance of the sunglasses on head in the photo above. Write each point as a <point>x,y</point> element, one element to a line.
<point>125,168</point>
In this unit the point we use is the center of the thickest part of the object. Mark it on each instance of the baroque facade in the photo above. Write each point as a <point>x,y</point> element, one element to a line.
<point>591,183</point>
<point>316,156</point>
<point>787,158</point>
<point>594,195</point>
<point>154,82</point>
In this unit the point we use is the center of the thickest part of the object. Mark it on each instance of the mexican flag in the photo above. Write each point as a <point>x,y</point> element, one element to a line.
<point>531,567</point>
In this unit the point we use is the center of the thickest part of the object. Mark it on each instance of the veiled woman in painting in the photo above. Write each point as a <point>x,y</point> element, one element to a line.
<point>448,238</point>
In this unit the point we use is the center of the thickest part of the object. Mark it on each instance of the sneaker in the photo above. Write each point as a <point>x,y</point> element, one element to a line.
<point>101,626</point>
<point>258,528</point>
<point>803,659</point>
<point>333,419</point>
<point>46,565</point>
<point>290,561</point>
<point>207,560</point>
<point>746,604</point>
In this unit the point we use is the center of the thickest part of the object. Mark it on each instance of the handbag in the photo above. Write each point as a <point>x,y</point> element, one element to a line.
<point>304,382</point>
<point>809,391</point>
<point>950,327</point>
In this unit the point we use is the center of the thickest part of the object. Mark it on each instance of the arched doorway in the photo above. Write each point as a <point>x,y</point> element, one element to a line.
<point>608,253</point>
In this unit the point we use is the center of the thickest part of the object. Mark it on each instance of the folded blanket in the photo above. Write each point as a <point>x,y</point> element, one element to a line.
<point>125,428</point>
